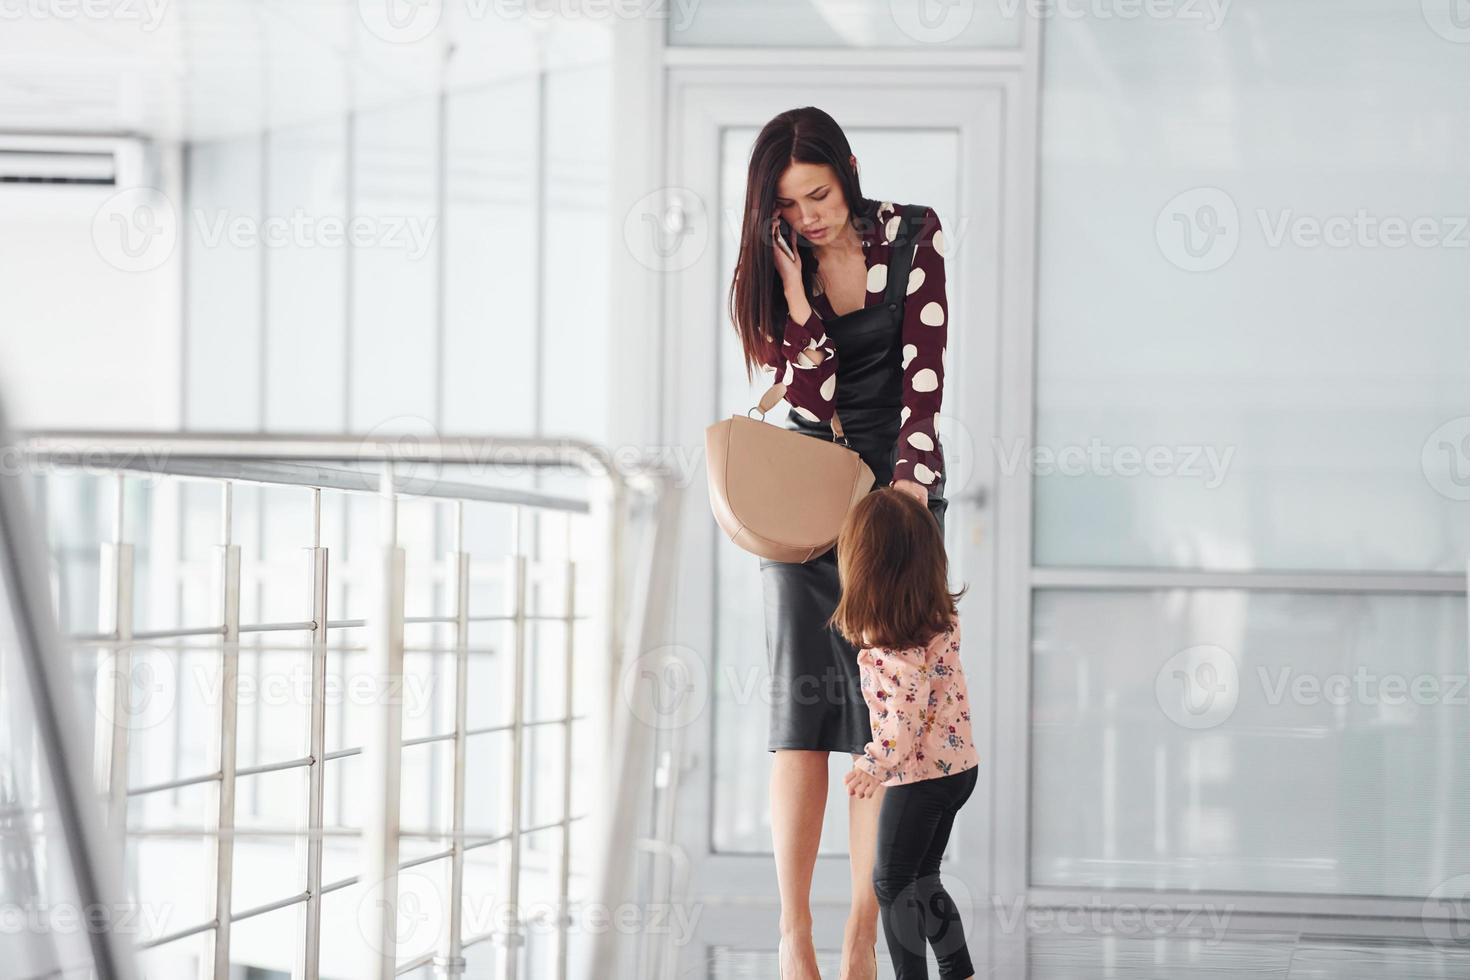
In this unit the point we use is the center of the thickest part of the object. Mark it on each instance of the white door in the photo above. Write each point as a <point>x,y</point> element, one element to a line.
<point>935,138</point>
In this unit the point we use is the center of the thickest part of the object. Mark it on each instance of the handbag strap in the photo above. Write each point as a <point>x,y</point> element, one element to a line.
<point>900,261</point>
<point>776,392</point>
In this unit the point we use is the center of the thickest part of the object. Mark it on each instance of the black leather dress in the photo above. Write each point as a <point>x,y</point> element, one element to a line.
<point>816,693</point>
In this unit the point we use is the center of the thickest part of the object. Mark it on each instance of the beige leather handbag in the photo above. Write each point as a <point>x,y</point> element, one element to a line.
<point>779,493</point>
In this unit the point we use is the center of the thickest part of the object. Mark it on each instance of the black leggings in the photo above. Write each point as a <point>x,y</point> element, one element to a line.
<point>913,829</point>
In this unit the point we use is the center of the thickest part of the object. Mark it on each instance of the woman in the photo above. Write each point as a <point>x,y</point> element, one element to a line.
<point>843,335</point>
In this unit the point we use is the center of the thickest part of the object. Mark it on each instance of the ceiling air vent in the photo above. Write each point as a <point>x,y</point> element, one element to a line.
<point>57,166</point>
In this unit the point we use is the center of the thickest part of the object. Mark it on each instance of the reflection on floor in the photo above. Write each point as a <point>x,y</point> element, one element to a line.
<point>1092,957</point>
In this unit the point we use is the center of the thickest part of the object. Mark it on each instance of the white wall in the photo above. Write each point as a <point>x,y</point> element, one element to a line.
<point>84,343</point>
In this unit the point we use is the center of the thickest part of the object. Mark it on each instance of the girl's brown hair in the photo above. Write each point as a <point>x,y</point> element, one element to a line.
<point>757,301</point>
<point>894,573</point>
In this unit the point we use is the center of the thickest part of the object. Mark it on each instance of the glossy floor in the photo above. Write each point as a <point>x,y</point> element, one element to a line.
<point>1043,956</point>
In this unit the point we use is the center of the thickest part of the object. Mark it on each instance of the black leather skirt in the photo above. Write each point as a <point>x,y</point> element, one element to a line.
<point>816,693</point>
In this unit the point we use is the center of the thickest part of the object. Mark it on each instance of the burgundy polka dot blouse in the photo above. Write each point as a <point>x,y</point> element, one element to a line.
<point>811,389</point>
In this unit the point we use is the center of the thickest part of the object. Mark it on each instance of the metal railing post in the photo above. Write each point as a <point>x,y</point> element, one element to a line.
<point>450,963</point>
<point>610,508</point>
<point>512,937</point>
<point>383,753</point>
<point>222,841</point>
<point>602,674</point>
<point>634,736</point>
<point>115,673</point>
<point>564,876</point>
<point>309,964</point>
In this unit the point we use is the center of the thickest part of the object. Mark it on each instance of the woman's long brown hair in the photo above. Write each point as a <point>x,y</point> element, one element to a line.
<point>894,573</point>
<point>757,302</point>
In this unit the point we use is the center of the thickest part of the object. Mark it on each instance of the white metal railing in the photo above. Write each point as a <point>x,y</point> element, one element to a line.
<point>629,612</point>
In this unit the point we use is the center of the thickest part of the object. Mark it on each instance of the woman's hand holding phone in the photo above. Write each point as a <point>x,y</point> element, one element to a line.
<point>788,266</point>
<point>788,261</point>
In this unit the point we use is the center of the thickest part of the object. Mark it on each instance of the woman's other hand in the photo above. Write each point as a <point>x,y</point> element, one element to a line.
<point>914,489</point>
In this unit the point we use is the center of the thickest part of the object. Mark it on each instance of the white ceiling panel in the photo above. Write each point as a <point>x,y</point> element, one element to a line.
<point>203,69</point>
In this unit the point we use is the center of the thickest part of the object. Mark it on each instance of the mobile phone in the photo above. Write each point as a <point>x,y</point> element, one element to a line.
<point>782,231</point>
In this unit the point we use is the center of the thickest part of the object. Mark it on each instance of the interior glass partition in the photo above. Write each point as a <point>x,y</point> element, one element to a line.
<point>1250,457</point>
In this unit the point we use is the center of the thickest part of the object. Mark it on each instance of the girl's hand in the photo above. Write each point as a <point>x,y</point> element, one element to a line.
<point>789,270</point>
<point>861,783</point>
<point>914,489</point>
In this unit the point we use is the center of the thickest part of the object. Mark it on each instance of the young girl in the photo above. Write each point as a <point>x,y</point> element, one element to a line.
<point>897,609</point>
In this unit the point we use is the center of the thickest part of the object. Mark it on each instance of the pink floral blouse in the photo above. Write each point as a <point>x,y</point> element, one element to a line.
<point>811,389</point>
<point>919,709</point>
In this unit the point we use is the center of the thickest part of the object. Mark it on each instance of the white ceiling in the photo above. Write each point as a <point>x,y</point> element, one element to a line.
<point>200,69</point>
